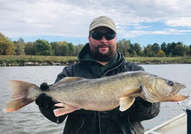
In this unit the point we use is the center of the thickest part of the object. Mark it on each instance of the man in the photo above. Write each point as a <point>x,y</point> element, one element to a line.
<point>97,59</point>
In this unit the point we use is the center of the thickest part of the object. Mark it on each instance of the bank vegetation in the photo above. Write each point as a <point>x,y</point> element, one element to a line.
<point>31,60</point>
<point>42,52</point>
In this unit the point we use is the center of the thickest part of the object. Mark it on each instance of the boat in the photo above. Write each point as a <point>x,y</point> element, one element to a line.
<point>176,125</point>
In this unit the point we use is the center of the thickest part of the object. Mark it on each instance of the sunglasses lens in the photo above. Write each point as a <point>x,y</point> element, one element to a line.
<point>99,36</point>
<point>109,36</point>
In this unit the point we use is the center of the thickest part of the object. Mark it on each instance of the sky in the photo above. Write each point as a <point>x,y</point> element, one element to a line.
<point>140,21</point>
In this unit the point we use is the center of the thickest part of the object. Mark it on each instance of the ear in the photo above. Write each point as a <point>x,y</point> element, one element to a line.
<point>89,38</point>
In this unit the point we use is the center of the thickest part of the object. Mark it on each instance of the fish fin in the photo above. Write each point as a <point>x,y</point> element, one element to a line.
<point>125,103</point>
<point>176,98</point>
<point>19,98</point>
<point>70,79</point>
<point>147,94</point>
<point>65,110</point>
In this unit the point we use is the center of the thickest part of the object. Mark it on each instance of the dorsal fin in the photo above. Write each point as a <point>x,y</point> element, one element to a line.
<point>70,79</point>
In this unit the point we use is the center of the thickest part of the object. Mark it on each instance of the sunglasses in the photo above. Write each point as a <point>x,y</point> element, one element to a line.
<point>99,35</point>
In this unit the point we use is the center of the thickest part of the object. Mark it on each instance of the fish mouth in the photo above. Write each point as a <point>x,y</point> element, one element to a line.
<point>177,87</point>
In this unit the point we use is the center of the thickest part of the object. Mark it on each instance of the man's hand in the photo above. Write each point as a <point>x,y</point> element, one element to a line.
<point>44,86</point>
<point>43,100</point>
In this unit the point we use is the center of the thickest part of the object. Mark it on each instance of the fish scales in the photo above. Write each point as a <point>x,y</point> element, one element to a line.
<point>109,87</point>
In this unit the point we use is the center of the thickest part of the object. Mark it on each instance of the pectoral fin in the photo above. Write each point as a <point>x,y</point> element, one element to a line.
<point>125,103</point>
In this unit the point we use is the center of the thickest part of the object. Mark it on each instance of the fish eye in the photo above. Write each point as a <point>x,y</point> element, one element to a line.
<point>171,83</point>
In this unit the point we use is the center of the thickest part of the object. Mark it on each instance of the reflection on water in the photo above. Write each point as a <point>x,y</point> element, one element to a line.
<point>29,120</point>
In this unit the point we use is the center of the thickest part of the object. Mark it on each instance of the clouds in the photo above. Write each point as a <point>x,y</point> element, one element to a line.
<point>71,18</point>
<point>182,22</point>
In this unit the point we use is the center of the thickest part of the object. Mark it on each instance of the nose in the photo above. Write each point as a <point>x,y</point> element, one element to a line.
<point>103,39</point>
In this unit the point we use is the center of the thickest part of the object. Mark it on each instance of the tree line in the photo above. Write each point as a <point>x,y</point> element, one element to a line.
<point>63,48</point>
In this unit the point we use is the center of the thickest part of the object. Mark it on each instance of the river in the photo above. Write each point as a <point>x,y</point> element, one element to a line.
<point>29,120</point>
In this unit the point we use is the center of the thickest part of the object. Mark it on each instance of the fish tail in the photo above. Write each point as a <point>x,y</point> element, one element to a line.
<point>22,95</point>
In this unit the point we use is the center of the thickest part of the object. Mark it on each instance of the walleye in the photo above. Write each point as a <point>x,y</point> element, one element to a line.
<point>99,94</point>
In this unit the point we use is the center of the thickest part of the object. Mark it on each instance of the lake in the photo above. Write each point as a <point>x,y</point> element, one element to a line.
<point>29,120</point>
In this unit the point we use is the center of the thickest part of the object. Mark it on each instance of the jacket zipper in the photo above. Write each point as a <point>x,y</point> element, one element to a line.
<point>112,69</point>
<point>100,77</point>
<point>99,120</point>
<point>131,125</point>
<point>80,126</point>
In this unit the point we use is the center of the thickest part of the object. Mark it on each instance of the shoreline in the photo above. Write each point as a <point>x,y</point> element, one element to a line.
<point>37,64</point>
<point>8,64</point>
<point>28,60</point>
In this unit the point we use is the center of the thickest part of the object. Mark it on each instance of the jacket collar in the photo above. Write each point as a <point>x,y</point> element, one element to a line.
<point>85,59</point>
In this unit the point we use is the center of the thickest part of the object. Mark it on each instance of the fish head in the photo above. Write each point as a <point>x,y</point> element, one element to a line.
<point>158,89</point>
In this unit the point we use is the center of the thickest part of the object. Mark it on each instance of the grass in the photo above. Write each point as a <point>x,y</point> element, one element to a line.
<point>21,59</point>
<point>160,60</point>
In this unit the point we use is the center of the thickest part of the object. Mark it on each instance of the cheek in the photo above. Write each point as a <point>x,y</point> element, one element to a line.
<point>113,42</point>
<point>113,45</point>
<point>93,43</point>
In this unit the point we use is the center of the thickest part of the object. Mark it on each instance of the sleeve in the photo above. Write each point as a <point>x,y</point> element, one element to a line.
<point>48,113</point>
<point>130,66</point>
<point>66,72</point>
<point>143,110</point>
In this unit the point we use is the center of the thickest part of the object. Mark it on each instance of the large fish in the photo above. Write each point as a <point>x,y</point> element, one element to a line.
<point>100,94</point>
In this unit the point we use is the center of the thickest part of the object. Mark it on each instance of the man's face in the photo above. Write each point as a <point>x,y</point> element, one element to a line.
<point>103,49</point>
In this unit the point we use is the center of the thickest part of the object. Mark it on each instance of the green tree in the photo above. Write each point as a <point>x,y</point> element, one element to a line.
<point>20,47</point>
<point>148,51</point>
<point>30,48</point>
<point>65,49</point>
<point>137,48</point>
<point>43,47</point>
<point>164,47</point>
<point>123,46</point>
<point>61,48</point>
<point>155,48</point>
<point>179,50</point>
<point>71,49</point>
<point>7,47</point>
<point>78,48</point>
<point>186,50</point>
<point>54,46</point>
<point>171,49</point>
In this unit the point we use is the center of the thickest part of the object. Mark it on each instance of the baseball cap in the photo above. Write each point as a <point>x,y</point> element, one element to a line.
<point>102,21</point>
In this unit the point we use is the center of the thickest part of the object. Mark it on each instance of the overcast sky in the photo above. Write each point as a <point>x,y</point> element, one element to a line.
<point>141,21</point>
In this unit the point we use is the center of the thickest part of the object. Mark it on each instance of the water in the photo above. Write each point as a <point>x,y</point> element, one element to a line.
<point>29,120</point>
<point>180,73</point>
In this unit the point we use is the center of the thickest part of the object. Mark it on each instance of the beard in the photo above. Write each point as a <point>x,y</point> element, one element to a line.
<point>104,57</point>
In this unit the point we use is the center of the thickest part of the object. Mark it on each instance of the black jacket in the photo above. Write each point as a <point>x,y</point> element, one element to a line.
<point>107,122</point>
